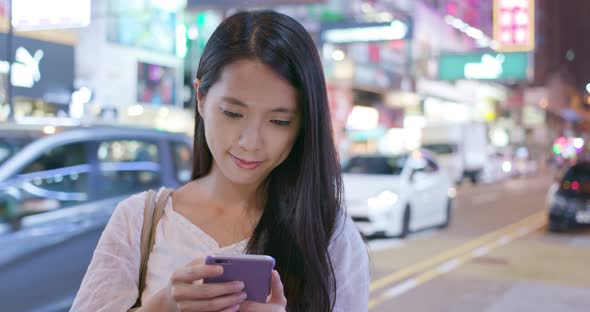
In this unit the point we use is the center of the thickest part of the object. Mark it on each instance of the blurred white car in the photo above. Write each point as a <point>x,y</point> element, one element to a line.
<point>396,195</point>
<point>523,164</point>
<point>498,168</point>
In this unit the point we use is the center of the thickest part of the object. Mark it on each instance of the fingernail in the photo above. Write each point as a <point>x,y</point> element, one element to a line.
<point>243,296</point>
<point>236,308</point>
<point>219,270</point>
<point>238,285</point>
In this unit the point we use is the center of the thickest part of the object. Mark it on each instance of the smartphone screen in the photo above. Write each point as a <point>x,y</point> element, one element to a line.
<point>253,270</point>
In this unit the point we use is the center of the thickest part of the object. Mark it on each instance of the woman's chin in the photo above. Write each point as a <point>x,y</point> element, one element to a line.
<point>241,177</point>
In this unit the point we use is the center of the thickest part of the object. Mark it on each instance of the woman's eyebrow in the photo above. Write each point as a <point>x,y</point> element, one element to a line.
<point>283,110</point>
<point>234,101</point>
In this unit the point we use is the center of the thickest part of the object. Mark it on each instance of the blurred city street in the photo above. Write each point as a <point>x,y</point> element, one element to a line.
<point>462,129</point>
<point>496,256</point>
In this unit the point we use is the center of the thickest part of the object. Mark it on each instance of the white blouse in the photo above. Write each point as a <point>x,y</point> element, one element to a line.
<point>111,282</point>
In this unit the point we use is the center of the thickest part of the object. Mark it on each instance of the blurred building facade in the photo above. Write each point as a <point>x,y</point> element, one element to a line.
<point>562,68</point>
<point>437,64</point>
<point>128,57</point>
<point>42,69</point>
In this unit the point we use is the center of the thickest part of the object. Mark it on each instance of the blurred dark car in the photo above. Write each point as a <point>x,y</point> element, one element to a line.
<point>58,188</point>
<point>569,199</point>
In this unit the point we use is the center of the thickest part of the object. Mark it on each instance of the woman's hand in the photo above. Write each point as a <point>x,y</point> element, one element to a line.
<point>186,291</point>
<point>276,301</point>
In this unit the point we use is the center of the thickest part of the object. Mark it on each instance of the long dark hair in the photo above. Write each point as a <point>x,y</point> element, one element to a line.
<point>304,192</point>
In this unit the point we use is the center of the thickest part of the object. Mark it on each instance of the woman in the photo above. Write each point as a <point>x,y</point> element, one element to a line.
<point>266,180</point>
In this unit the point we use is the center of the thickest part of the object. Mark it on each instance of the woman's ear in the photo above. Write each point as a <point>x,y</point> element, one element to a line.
<point>198,96</point>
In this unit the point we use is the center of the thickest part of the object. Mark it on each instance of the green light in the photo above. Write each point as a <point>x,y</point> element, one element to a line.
<point>201,21</point>
<point>484,66</point>
<point>557,149</point>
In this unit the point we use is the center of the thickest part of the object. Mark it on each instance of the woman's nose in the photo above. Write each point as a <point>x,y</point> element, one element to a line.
<point>251,137</point>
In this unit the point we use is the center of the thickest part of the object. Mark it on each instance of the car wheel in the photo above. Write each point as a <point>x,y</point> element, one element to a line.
<point>448,212</point>
<point>474,177</point>
<point>406,222</point>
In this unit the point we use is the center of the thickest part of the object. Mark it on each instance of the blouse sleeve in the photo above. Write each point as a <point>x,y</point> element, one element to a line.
<point>111,281</point>
<point>350,260</point>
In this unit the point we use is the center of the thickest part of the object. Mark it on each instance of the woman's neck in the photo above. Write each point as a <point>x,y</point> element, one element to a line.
<point>231,198</point>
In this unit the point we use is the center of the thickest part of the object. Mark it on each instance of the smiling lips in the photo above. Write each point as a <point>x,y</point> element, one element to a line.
<point>249,165</point>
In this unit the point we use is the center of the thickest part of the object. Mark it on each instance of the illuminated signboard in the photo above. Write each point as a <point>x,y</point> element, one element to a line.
<point>484,66</point>
<point>366,32</point>
<point>192,4</point>
<point>41,70</point>
<point>43,14</point>
<point>514,25</point>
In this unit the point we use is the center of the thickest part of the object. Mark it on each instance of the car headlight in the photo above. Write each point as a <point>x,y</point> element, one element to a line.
<point>452,192</point>
<point>383,199</point>
<point>506,166</point>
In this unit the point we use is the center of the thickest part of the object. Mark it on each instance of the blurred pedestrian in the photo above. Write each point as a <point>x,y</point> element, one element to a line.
<point>266,180</point>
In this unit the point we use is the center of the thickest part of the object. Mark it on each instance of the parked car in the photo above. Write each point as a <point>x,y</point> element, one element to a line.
<point>569,199</point>
<point>58,188</point>
<point>394,195</point>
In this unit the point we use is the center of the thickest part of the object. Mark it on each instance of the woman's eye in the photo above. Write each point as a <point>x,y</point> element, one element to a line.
<point>282,123</point>
<point>232,114</point>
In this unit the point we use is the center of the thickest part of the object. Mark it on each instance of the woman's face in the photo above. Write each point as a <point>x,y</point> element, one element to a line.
<point>251,121</point>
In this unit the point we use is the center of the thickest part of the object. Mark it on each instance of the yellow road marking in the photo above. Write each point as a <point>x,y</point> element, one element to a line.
<point>421,266</point>
<point>493,240</point>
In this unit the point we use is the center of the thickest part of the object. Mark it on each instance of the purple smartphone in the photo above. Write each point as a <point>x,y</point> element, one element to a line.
<point>254,270</point>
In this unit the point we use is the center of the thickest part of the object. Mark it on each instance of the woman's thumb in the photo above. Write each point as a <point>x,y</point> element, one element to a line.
<point>277,293</point>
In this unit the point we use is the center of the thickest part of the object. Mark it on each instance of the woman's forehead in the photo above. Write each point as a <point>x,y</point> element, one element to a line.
<point>254,83</point>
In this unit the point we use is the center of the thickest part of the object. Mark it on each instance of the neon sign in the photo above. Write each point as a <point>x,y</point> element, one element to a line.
<point>25,69</point>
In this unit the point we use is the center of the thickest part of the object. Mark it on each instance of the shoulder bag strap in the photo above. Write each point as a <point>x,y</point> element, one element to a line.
<point>151,216</point>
